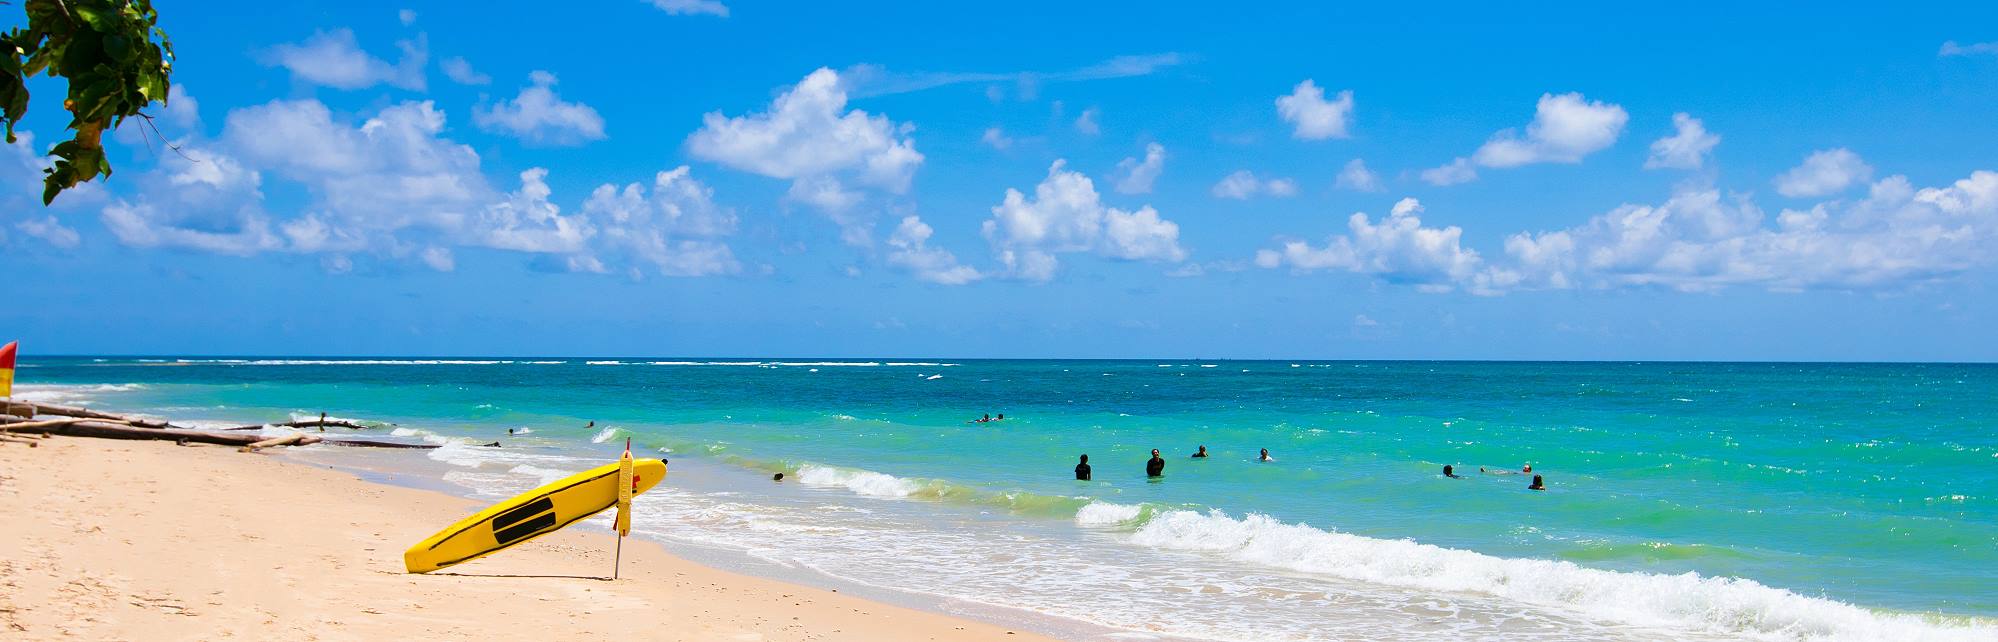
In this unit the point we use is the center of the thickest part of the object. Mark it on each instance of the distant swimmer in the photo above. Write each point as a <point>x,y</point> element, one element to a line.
<point>491,445</point>
<point>1002,417</point>
<point>593,424</point>
<point>1202,454</point>
<point>1451,472</point>
<point>1537,484</point>
<point>509,431</point>
<point>1155,467</point>
<point>1082,469</point>
<point>1265,456</point>
<point>777,477</point>
<point>1525,470</point>
<point>985,419</point>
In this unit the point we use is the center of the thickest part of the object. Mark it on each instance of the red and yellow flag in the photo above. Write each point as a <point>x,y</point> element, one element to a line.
<point>7,368</point>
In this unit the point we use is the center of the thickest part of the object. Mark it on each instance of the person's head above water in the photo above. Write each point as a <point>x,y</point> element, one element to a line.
<point>1537,484</point>
<point>1203,449</point>
<point>1448,471</point>
<point>1155,453</point>
<point>1085,459</point>
<point>1526,469</point>
<point>777,477</point>
<point>1002,415</point>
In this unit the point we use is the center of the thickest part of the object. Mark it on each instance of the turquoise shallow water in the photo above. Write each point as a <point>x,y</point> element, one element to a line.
<point>1852,501</point>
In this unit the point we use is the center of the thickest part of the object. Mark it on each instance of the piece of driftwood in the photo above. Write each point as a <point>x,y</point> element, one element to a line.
<point>107,430</point>
<point>104,430</point>
<point>297,438</point>
<point>43,425</point>
<point>309,423</point>
<point>86,413</point>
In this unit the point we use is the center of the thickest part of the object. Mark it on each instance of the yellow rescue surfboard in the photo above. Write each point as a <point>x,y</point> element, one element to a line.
<point>534,513</point>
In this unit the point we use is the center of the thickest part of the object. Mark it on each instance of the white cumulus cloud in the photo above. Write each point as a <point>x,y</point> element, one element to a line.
<point>909,249</point>
<point>1397,249</point>
<point>1135,176</point>
<point>996,138</point>
<point>541,117</point>
<point>1087,123</point>
<point>1243,185</point>
<point>334,59</point>
<point>1687,149</point>
<point>807,135</point>
<point>1824,172</point>
<point>50,231</point>
<point>460,71</point>
<point>1456,172</point>
<point>1312,116</point>
<point>1700,239</point>
<point>1356,177</point>
<point>1067,215</point>
<point>1565,128</point>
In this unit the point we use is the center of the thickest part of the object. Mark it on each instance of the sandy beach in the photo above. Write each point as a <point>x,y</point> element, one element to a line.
<point>115,540</point>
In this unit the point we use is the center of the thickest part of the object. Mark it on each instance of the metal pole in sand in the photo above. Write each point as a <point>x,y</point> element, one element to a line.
<point>626,485</point>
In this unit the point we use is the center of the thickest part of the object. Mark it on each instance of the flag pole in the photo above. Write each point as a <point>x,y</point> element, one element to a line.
<point>626,486</point>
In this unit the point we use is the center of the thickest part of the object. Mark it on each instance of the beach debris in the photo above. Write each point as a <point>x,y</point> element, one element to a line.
<point>321,424</point>
<point>297,438</point>
<point>84,422</point>
<point>86,413</point>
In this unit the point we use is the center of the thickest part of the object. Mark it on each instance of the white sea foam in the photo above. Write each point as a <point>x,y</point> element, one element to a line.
<point>608,433</point>
<point>603,363</point>
<point>864,482</point>
<point>1728,606</point>
<point>70,394</point>
<point>933,377</point>
<point>544,475</point>
<point>1101,513</point>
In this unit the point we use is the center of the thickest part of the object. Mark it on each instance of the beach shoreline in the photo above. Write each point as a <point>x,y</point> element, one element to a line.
<point>148,540</point>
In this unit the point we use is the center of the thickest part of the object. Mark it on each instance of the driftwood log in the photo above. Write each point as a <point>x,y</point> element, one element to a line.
<point>309,423</point>
<point>297,438</point>
<point>107,430</point>
<point>42,426</point>
<point>84,422</point>
<point>86,413</point>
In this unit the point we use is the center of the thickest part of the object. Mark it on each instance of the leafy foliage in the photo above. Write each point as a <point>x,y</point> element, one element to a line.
<point>116,60</point>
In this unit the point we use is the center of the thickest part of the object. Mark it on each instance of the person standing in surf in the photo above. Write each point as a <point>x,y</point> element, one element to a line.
<point>1155,467</point>
<point>1082,469</point>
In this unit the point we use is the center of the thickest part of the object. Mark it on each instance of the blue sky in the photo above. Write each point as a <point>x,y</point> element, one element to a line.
<point>682,177</point>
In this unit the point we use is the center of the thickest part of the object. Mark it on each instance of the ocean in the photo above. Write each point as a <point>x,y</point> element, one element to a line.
<point>1684,501</point>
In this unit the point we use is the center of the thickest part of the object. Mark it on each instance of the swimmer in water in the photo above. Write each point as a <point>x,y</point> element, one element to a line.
<point>1002,417</point>
<point>1265,456</point>
<point>1451,472</point>
<point>1525,470</point>
<point>777,477</point>
<point>1082,469</point>
<point>1155,467</point>
<point>1537,484</point>
<point>1202,454</point>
